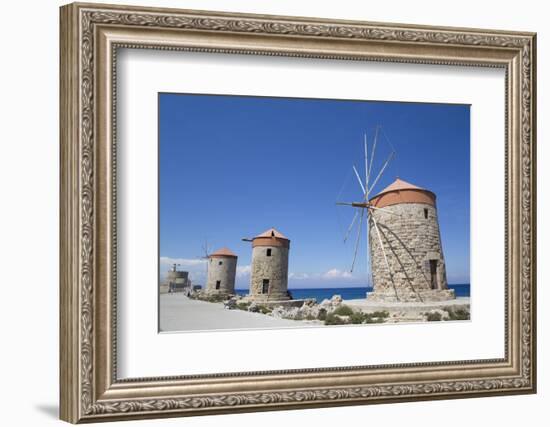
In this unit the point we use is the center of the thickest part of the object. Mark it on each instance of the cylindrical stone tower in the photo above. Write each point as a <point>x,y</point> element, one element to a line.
<point>408,230</point>
<point>222,267</point>
<point>269,272</point>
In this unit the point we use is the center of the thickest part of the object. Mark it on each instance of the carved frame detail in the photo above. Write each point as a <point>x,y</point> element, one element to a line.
<point>87,397</point>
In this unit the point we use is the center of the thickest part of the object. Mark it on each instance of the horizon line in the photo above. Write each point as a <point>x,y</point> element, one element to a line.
<point>351,287</point>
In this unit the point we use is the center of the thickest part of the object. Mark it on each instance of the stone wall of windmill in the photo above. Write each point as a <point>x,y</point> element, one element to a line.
<point>222,268</point>
<point>269,270</point>
<point>408,229</point>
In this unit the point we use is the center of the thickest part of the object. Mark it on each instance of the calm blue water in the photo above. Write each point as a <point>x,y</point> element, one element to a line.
<point>462,290</point>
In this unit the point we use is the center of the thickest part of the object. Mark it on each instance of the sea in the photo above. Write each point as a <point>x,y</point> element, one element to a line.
<point>461,290</point>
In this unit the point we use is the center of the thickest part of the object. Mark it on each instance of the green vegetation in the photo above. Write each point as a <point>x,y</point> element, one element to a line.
<point>243,306</point>
<point>357,318</point>
<point>208,298</point>
<point>354,317</point>
<point>382,314</point>
<point>264,309</point>
<point>459,314</point>
<point>334,319</point>
<point>343,310</point>
<point>322,314</point>
<point>433,317</point>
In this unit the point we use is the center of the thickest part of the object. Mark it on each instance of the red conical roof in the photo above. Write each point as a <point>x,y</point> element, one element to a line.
<point>271,237</point>
<point>272,233</point>
<point>399,184</point>
<point>223,252</point>
<point>401,191</point>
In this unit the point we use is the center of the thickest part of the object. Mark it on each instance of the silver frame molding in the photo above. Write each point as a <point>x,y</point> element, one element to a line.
<point>90,37</point>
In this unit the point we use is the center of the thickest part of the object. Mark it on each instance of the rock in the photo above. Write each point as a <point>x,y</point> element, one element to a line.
<point>444,314</point>
<point>278,312</point>
<point>230,304</point>
<point>292,313</point>
<point>310,302</point>
<point>195,294</point>
<point>336,300</point>
<point>254,307</point>
<point>310,311</point>
<point>331,304</point>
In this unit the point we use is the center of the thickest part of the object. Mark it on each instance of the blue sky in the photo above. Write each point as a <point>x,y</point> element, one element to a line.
<point>232,167</point>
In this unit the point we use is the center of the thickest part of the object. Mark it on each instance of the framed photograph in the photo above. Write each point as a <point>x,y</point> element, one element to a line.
<point>266,212</point>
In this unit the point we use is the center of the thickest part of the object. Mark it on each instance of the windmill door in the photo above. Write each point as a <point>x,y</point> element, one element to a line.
<point>433,273</point>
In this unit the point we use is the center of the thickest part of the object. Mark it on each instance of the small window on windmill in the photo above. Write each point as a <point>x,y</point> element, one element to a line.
<point>268,253</point>
<point>265,286</point>
<point>220,263</point>
<point>426,213</point>
<point>218,284</point>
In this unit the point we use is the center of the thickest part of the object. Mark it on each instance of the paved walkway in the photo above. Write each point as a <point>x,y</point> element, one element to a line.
<point>179,313</point>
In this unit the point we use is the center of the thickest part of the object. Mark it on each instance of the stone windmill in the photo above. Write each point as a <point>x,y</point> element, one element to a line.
<point>404,245</point>
<point>222,268</point>
<point>269,270</point>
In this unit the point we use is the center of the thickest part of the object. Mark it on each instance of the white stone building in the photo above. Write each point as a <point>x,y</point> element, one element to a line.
<point>176,281</point>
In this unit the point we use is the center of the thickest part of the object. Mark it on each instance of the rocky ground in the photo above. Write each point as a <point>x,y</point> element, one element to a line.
<point>336,311</point>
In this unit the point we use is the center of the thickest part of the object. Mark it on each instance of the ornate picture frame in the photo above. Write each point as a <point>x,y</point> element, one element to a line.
<point>90,37</point>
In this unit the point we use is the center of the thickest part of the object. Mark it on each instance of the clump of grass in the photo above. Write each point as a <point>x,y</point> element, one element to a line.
<point>343,310</point>
<point>358,318</point>
<point>310,317</point>
<point>322,314</point>
<point>264,310</point>
<point>243,306</point>
<point>355,317</point>
<point>208,298</point>
<point>433,317</point>
<point>459,314</point>
<point>381,314</point>
<point>334,319</point>
<point>374,318</point>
